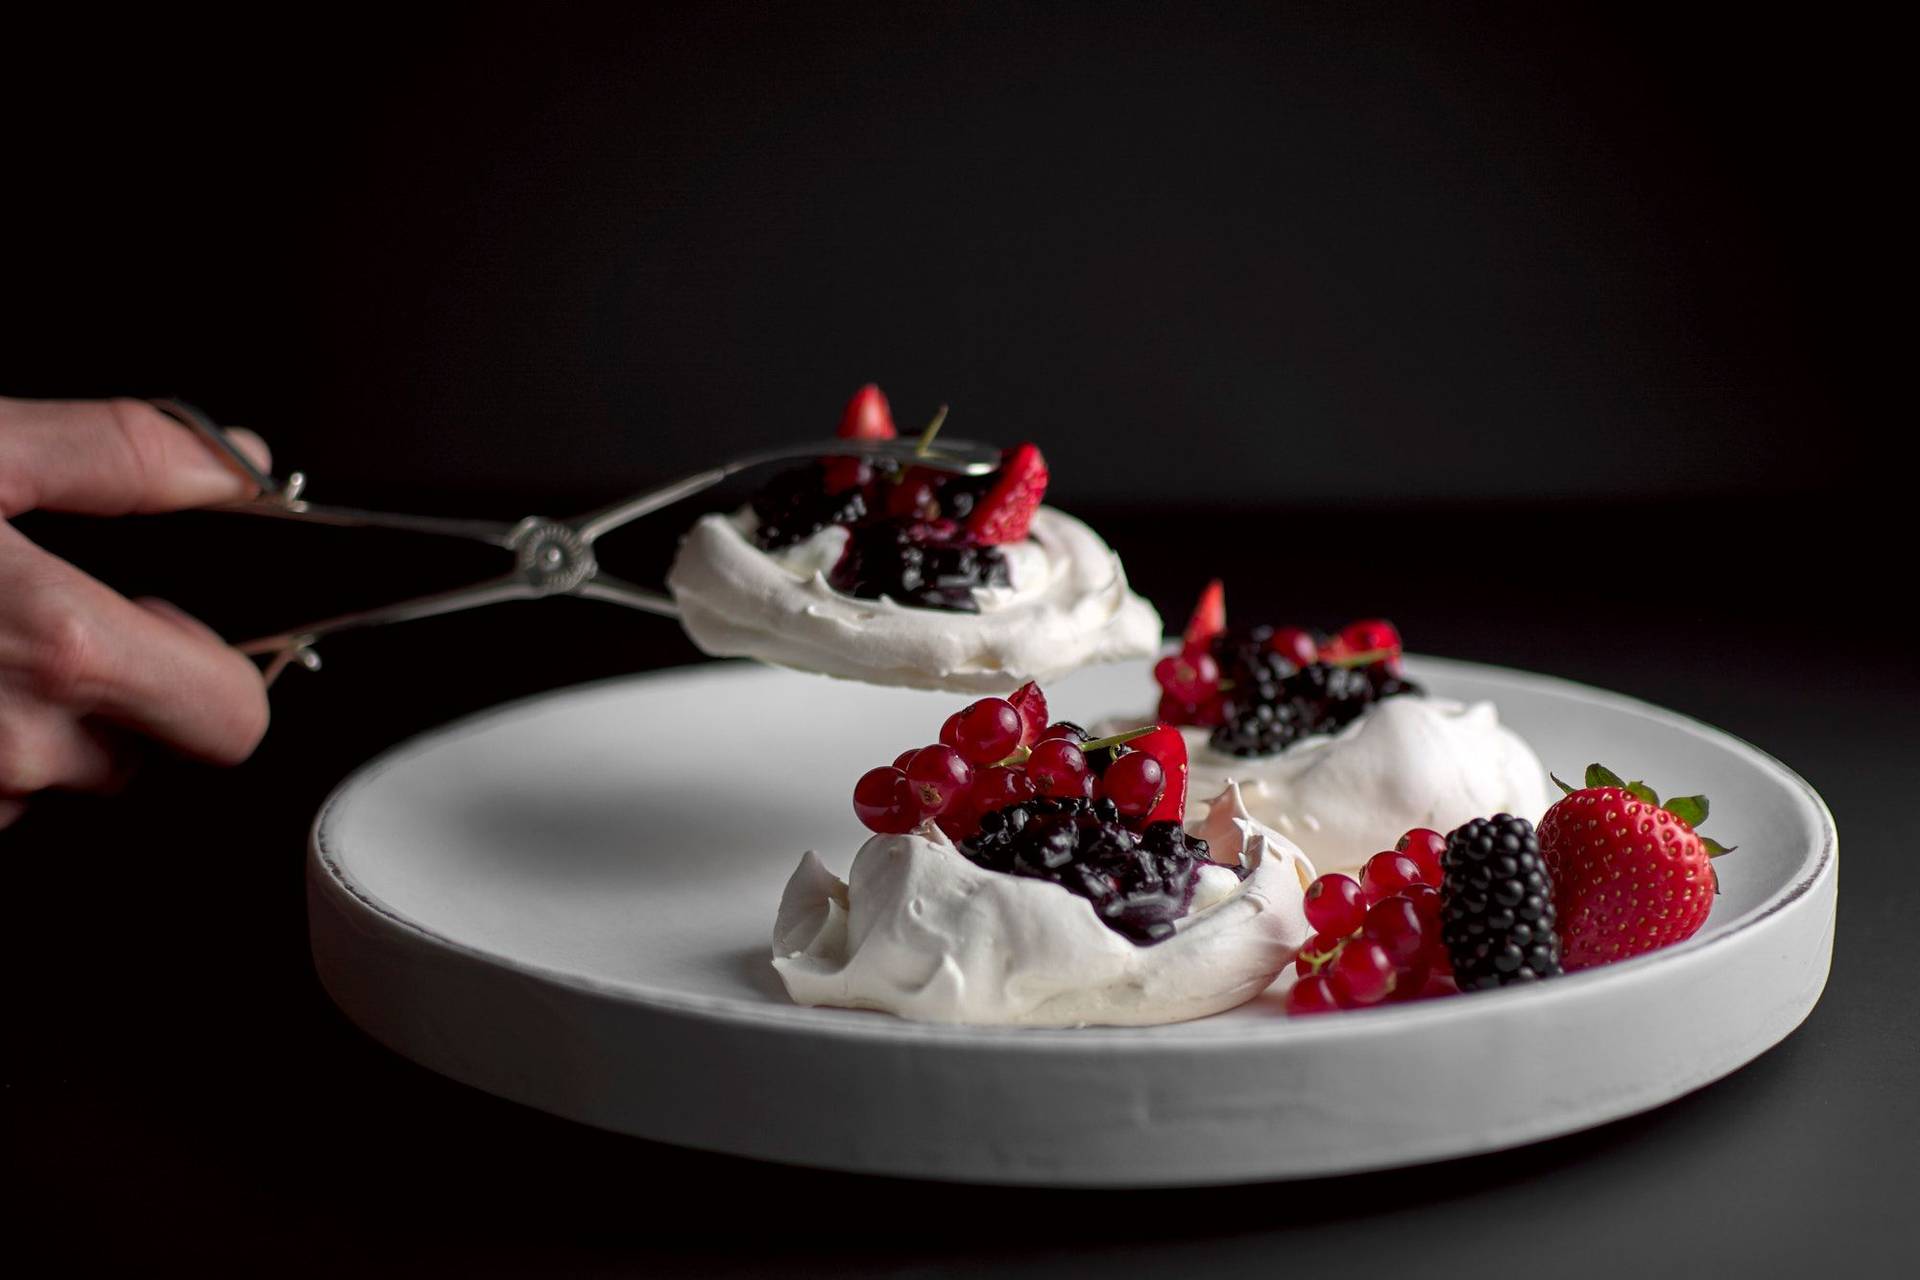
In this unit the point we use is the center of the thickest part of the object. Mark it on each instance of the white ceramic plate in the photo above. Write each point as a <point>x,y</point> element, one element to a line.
<point>567,902</point>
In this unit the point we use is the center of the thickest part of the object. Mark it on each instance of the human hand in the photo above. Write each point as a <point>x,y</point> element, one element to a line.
<point>83,671</point>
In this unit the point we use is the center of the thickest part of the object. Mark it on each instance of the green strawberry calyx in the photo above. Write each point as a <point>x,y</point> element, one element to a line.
<point>1691,810</point>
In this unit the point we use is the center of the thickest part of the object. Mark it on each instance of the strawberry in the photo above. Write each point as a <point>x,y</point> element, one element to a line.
<point>867,416</point>
<point>1006,513</point>
<point>1209,617</point>
<point>1629,873</point>
<point>1032,706</point>
<point>1164,743</point>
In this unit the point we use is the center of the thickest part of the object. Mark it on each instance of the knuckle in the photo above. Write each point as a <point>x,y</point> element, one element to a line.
<point>64,648</point>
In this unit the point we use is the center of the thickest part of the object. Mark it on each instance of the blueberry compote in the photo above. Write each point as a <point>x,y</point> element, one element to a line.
<point>1139,882</point>
<point>907,533</point>
<point>1267,703</point>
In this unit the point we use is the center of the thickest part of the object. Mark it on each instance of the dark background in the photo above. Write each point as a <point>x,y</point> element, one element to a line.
<point>1543,331</point>
<point>1242,254</point>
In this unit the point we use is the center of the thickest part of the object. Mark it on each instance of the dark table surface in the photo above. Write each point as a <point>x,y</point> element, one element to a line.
<point>179,1089</point>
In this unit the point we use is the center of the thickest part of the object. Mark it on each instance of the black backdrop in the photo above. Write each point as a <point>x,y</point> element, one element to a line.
<point>1542,329</point>
<point>1235,254</point>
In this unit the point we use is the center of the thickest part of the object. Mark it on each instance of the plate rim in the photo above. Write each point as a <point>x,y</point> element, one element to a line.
<point>326,870</point>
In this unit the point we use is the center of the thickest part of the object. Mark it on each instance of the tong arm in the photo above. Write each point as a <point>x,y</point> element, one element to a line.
<point>495,533</point>
<point>962,457</point>
<point>494,591</point>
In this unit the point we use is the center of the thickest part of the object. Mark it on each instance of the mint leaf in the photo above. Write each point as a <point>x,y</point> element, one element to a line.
<point>1598,775</point>
<point>1691,810</point>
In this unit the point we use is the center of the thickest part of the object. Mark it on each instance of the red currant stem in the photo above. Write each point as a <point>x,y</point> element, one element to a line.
<point>933,429</point>
<point>1365,659</point>
<point>1019,757</point>
<point>1098,744</point>
<point>1315,966</point>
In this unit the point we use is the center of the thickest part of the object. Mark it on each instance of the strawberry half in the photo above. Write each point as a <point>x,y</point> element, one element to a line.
<point>1032,706</point>
<point>867,416</point>
<point>1209,617</point>
<point>1164,743</point>
<point>1630,874</point>
<point>1006,513</point>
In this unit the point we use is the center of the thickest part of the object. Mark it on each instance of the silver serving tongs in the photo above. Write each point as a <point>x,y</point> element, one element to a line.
<point>551,557</point>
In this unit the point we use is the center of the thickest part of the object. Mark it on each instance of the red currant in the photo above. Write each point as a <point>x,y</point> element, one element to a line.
<point>950,731</point>
<point>1314,956</point>
<point>1410,981</point>
<point>843,474</point>
<point>1189,676</point>
<point>886,802</point>
<point>1387,874</point>
<point>997,786</point>
<point>1058,768</point>
<point>1334,905</point>
<point>1426,904</point>
<point>1396,926</point>
<point>1312,994</point>
<point>1295,645</point>
<point>1364,971</point>
<point>1134,783</point>
<point>959,822</point>
<point>987,731</point>
<point>1064,729</point>
<point>939,776</point>
<point>913,494</point>
<point>1424,846</point>
<point>905,758</point>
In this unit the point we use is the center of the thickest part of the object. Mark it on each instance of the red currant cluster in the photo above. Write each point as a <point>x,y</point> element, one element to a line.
<point>1001,751</point>
<point>1377,938</point>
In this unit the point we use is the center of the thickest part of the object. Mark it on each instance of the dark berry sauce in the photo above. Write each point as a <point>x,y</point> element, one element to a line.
<point>1267,703</point>
<point>907,534</point>
<point>1138,882</point>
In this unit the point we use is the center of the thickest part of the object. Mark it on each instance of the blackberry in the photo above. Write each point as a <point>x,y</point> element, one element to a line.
<point>959,495</point>
<point>911,562</point>
<point>1139,883</point>
<point>1497,918</point>
<point>1272,704</point>
<point>927,560</point>
<point>795,505</point>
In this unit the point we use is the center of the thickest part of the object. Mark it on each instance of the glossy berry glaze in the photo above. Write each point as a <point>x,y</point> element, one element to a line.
<point>1138,881</point>
<point>1272,704</point>
<point>908,533</point>
<point>1026,796</point>
<point>1261,689</point>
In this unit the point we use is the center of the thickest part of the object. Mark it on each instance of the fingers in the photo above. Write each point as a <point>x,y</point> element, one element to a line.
<point>80,647</point>
<point>44,748</point>
<point>112,457</point>
<point>170,676</point>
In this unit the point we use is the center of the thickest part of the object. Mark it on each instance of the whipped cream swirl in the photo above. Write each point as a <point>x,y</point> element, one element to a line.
<point>920,931</point>
<point>1408,761</point>
<point>1068,605</point>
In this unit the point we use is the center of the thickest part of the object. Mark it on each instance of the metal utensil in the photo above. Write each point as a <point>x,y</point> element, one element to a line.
<point>551,557</point>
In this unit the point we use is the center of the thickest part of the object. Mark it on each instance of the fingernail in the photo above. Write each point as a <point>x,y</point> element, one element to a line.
<point>171,612</point>
<point>254,447</point>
